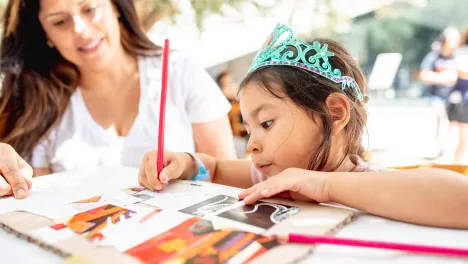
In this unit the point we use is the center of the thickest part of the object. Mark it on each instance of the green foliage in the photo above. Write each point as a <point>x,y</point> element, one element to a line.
<point>200,7</point>
<point>204,7</point>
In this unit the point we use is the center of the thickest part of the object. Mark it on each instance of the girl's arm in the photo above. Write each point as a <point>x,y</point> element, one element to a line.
<point>422,196</point>
<point>234,173</point>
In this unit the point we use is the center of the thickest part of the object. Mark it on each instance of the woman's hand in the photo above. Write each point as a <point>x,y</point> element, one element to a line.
<point>15,173</point>
<point>304,185</point>
<point>176,165</point>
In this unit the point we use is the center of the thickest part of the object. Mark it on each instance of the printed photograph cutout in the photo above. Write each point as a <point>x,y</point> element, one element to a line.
<point>260,214</point>
<point>196,241</point>
<point>90,223</point>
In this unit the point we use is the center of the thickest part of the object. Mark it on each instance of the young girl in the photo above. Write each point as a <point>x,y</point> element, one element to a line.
<point>303,109</point>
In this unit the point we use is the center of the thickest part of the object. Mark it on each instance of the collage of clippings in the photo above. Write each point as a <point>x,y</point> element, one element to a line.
<point>185,223</point>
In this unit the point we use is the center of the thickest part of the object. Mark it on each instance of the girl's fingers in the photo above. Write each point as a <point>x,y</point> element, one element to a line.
<point>262,190</point>
<point>246,192</point>
<point>142,180</point>
<point>148,175</point>
<point>171,172</point>
<point>152,176</point>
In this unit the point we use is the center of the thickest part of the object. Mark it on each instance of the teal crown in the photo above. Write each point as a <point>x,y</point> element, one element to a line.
<point>284,48</point>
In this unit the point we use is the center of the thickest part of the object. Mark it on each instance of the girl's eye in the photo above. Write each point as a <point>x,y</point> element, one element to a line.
<point>266,124</point>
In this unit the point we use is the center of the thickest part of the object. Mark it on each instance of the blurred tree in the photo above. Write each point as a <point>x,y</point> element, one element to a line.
<point>151,11</point>
<point>331,19</point>
<point>439,14</point>
<point>390,30</point>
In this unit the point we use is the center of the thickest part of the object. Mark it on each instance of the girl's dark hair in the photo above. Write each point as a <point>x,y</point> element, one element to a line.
<point>309,91</point>
<point>37,82</point>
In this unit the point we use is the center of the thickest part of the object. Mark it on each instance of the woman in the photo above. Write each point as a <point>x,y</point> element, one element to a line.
<point>458,107</point>
<point>82,83</point>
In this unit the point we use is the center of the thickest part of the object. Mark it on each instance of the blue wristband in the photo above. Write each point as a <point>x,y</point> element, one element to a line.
<point>203,173</point>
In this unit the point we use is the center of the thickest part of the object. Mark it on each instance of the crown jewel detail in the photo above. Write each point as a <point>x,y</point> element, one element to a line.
<point>284,48</point>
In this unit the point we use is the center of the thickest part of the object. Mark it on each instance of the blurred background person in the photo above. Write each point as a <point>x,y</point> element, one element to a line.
<point>458,101</point>
<point>227,85</point>
<point>439,71</point>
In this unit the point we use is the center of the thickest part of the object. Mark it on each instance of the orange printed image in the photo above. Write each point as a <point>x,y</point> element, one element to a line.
<point>90,223</point>
<point>93,199</point>
<point>133,190</point>
<point>195,241</point>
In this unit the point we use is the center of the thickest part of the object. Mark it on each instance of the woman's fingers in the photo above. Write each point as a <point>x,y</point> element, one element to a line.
<point>5,188</point>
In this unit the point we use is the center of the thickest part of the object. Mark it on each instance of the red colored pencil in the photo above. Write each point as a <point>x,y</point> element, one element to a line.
<point>308,239</point>
<point>162,107</point>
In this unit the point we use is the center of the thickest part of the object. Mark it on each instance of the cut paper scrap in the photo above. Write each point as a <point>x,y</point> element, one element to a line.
<point>128,224</point>
<point>182,187</point>
<point>260,214</point>
<point>90,223</point>
<point>133,190</point>
<point>224,223</point>
<point>121,197</point>
<point>93,199</point>
<point>52,212</point>
<point>133,232</point>
<point>52,234</point>
<point>176,202</point>
<point>196,241</point>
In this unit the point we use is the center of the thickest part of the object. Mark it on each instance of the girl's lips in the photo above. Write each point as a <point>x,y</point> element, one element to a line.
<point>263,167</point>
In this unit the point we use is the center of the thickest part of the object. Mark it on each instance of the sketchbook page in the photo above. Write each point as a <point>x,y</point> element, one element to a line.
<point>312,219</point>
<point>25,223</point>
<point>55,190</point>
<point>22,223</point>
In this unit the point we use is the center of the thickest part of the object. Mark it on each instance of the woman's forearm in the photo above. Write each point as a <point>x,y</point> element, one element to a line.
<point>41,171</point>
<point>215,138</point>
<point>424,196</point>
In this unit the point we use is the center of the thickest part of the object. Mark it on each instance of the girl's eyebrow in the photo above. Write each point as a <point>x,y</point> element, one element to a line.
<point>258,109</point>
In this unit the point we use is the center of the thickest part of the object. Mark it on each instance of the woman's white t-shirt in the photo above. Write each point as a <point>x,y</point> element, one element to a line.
<point>78,142</point>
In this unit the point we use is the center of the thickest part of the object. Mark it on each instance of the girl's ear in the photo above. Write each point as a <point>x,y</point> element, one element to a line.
<point>339,109</point>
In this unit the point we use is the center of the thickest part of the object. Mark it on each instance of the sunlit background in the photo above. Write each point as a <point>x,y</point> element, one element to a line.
<point>388,37</point>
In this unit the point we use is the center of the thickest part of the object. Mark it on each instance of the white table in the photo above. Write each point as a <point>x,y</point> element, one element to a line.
<point>71,185</point>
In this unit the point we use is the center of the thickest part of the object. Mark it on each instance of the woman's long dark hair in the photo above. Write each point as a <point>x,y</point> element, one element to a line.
<point>37,82</point>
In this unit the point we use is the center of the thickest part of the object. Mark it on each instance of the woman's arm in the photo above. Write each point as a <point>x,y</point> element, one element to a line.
<point>215,138</point>
<point>432,197</point>
<point>41,171</point>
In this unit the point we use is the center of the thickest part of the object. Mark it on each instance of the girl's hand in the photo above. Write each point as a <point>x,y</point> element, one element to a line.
<point>176,165</point>
<point>302,184</point>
